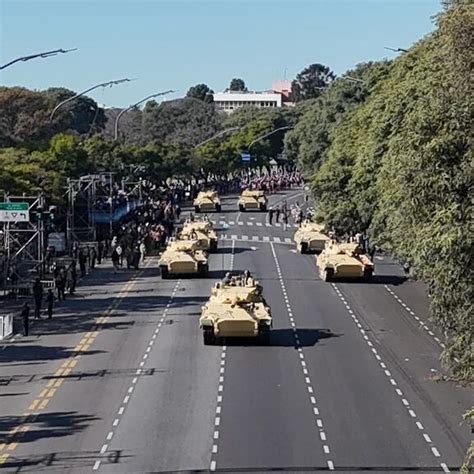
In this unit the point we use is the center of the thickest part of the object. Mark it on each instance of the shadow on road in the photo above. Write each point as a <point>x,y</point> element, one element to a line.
<point>37,353</point>
<point>44,425</point>
<point>285,338</point>
<point>229,250</point>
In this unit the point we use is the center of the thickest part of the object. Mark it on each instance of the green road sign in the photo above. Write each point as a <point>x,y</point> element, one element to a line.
<point>14,206</point>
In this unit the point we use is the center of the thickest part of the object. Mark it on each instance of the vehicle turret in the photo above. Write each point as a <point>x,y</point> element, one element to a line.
<point>207,201</point>
<point>252,200</point>
<point>310,237</point>
<point>344,260</point>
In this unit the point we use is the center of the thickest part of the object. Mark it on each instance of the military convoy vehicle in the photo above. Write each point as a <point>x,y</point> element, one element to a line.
<point>183,257</point>
<point>236,310</point>
<point>202,231</point>
<point>345,261</point>
<point>207,201</point>
<point>310,237</point>
<point>252,200</point>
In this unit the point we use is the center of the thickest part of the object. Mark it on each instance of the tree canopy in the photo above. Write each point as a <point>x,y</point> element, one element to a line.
<point>202,92</point>
<point>392,157</point>
<point>311,81</point>
<point>237,84</point>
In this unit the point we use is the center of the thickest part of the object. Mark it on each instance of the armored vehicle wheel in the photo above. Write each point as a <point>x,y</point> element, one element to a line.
<point>197,209</point>
<point>209,338</point>
<point>304,247</point>
<point>328,274</point>
<point>203,269</point>
<point>218,208</point>
<point>164,272</point>
<point>368,272</point>
<point>213,246</point>
<point>241,208</point>
<point>263,207</point>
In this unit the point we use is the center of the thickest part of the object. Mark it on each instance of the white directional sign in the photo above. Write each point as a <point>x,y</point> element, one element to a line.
<point>14,212</point>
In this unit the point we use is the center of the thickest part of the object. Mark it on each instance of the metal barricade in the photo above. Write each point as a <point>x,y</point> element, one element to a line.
<point>6,326</point>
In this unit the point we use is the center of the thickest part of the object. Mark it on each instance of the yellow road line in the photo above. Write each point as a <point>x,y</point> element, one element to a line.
<point>66,367</point>
<point>58,372</point>
<point>43,404</point>
<point>3,458</point>
<point>33,405</point>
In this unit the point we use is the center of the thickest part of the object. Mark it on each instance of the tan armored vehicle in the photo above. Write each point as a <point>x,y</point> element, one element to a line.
<point>183,257</point>
<point>202,231</point>
<point>207,201</point>
<point>347,261</point>
<point>310,237</point>
<point>251,200</point>
<point>234,310</point>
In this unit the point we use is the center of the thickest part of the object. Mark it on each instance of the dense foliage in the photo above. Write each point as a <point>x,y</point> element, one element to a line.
<point>392,156</point>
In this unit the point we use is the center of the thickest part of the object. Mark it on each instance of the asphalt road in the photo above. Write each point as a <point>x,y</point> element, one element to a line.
<point>120,380</point>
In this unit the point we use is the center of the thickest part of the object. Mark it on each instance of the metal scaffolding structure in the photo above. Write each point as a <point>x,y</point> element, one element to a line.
<point>23,242</point>
<point>86,195</point>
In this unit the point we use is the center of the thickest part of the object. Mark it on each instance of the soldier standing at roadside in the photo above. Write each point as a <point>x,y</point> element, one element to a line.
<point>25,316</point>
<point>38,296</point>
<point>270,215</point>
<point>50,303</point>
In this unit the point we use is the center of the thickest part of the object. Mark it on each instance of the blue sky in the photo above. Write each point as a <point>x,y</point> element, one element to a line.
<point>176,44</point>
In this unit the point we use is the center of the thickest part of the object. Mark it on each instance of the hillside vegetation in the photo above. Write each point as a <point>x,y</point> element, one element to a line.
<point>392,157</point>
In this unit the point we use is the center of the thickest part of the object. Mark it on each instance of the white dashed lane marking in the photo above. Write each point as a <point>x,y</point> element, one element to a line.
<point>220,388</point>
<point>417,318</point>
<point>309,386</point>
<point>130,389</point>
<point>393,382</point>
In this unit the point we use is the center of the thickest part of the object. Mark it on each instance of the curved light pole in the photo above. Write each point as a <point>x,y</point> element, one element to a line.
<point>46,54</point>
<point>135,105</point>
<point>353,79</point>
<point>397,50</point>
<point>104,84</point>
<point>288,127</point>
<point>217,135</point>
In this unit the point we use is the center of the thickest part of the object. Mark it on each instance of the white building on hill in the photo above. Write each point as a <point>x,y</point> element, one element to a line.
<point>229,101</point>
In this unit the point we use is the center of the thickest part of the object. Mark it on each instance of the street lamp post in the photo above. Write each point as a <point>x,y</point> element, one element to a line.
<point>397,50</point>
<point>353,79</point>
<point>46,54</point>
<point>262,137</point>
<point>217,135</point>
<point>136,105</point>
<point>104,84</point>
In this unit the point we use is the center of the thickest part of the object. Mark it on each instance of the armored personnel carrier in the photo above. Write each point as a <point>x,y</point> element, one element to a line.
<point>310,237</point>
<point>236,310</point>
<point>207,201</point>
<point>346,261</point>
<point>183,257</point>
<point>252,200</point>
<point>202,231</point>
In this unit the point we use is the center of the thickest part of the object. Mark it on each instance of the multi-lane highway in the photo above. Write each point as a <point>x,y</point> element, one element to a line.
<point>120,380</point>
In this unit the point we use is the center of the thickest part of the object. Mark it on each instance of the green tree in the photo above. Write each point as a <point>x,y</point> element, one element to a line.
<point>188,121</point>
<point>310,82</point>
<point>237,84</point>
<point>201,92</point>
<point>82,115</point>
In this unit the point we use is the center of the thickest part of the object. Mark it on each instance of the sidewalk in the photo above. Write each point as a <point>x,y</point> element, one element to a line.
<point>13,305</point>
